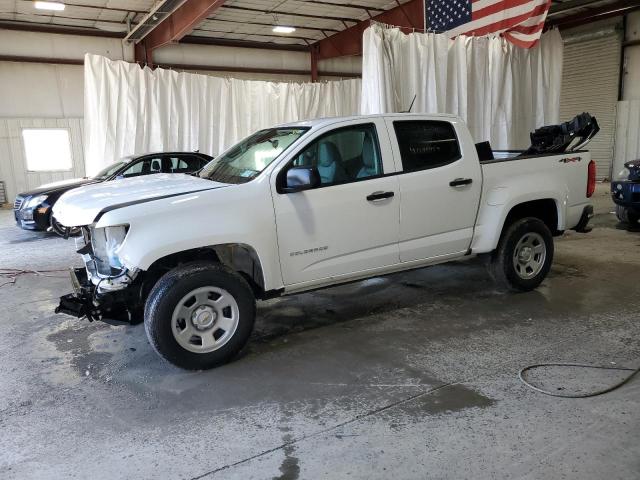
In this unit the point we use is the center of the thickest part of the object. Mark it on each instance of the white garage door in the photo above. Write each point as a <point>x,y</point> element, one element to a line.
<point>590,83</point>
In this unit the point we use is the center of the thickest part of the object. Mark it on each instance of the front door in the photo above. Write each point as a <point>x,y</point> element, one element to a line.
<point>350,223</point>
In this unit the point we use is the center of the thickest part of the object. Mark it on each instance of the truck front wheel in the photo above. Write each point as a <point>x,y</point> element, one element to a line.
<point>524,255</point>
<point>199,315</point>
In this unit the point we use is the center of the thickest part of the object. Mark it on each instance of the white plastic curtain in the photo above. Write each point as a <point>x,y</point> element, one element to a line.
<point>502,91</point>
<point>131,110</point>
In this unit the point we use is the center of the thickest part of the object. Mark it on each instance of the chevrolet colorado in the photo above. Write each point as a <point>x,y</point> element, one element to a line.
<point>308,205</point>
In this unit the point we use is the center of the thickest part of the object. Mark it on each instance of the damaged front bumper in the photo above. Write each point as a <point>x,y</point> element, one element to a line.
<point>85,302</point>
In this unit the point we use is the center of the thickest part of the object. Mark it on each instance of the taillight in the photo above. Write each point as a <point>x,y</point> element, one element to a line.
<point>591,179</point>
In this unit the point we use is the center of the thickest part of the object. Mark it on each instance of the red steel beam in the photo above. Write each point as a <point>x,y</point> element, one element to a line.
<point>409,16</point>
<point>177,25</point>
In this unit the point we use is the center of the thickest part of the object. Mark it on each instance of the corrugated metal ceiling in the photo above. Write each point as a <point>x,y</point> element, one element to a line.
<point>249,20</point>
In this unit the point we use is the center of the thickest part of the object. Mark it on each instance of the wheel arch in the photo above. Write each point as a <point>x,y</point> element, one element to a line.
<point>545,209</point>
<point>240,257</point>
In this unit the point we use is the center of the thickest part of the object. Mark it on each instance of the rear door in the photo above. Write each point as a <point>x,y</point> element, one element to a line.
<point>439,186</point>
<point>350,223</point>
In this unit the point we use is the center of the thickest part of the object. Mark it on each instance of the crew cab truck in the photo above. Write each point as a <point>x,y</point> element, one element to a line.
<point>310,205</point>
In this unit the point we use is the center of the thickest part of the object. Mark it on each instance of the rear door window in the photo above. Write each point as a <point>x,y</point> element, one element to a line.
<point>426,144</point>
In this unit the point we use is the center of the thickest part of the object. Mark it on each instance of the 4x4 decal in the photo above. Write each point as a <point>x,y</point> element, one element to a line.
<point>570,160</point>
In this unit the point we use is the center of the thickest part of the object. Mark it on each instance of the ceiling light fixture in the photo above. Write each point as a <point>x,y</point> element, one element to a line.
<point>49,6</point>
<point>283,29</point>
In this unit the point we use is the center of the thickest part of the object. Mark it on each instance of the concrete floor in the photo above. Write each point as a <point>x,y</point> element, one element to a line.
<point>410,376</point>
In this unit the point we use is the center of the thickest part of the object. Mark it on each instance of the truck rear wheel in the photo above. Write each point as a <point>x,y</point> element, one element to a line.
<point>199,315</point>
<point>524,255</point>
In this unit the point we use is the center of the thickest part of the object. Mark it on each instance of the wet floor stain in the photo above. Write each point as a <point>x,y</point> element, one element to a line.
<point>454,398</point>
<point>290,468</point>
<point>74,344</point>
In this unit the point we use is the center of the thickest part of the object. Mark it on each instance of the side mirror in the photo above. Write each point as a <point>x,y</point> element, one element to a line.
<point>301,178</point>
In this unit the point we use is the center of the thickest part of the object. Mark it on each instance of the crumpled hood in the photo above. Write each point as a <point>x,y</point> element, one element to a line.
<point>82,205</point>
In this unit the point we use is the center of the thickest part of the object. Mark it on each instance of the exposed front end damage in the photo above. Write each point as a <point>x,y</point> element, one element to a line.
<point>104,289</point>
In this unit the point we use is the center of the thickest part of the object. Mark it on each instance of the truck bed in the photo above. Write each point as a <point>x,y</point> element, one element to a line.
<point>511,179</point>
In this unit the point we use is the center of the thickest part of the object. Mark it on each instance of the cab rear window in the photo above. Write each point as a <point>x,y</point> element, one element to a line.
<point>426,144</point>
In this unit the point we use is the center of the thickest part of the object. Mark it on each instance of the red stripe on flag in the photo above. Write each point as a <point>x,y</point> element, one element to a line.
<point>496,7</point>
<point>508,23</point>
<point>520,43</point>
<point>527,30</point>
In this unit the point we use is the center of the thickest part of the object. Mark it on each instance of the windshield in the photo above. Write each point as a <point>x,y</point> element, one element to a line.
<point>247,159</point>
<point>110,170</point>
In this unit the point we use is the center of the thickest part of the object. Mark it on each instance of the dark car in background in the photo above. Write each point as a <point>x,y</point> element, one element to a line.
<point>32,209</point>
<point>625,191</point>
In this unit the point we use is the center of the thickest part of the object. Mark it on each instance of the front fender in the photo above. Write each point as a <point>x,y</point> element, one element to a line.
<point>242,214</point>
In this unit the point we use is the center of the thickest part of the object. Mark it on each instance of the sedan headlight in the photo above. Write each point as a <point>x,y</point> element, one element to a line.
<point>106,243</point>
<point>34,201</point>
<point>623,174</point>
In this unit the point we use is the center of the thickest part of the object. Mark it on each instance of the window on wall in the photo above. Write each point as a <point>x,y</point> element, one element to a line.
<point>47,149</point>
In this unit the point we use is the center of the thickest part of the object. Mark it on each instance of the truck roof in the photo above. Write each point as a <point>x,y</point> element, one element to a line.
<point>321,122</point>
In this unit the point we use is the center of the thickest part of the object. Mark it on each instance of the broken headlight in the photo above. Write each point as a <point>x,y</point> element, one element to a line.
<point>106,243</point>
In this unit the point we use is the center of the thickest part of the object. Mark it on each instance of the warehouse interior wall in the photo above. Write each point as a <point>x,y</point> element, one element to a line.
<point>129,110</point>
<point>503,92</point>
<point>38,94</point>
<point>590,83</point>
<point>627,143</point>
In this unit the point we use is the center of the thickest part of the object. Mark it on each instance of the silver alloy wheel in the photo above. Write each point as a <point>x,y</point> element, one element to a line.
<point>205,319</point>
<point>529,255</point>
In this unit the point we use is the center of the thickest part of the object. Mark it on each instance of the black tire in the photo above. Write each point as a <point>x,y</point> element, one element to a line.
<point>174,286</point>
<point>502,266</point>
<point>621,213</point>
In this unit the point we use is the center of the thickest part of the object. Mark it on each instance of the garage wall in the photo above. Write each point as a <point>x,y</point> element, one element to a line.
<point>590,83</point>
<point>627,146</point>
<point>13,170</point>
<point>631,70</point>
<point>41,94</point>
<point>627,143</point>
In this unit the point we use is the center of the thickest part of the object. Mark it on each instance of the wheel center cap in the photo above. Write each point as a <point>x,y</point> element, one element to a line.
<point>203,317</point>
<point>525,254</point>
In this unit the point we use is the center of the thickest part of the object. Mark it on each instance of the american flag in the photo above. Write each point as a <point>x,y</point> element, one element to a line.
<point>519,21</point>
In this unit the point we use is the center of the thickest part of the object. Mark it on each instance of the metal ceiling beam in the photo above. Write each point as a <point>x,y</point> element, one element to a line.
<point>95,7</point>
<point>272,24</point>
<point>228,42</point>
<point>21,26</point>
<point>615,9</point>
<point>561,7</point>
<point>344,5</point>
<point>179,23</point>
<point>200,29</point>
<point>288,14</point>
<point>409,16</point>
<point>180,66</point>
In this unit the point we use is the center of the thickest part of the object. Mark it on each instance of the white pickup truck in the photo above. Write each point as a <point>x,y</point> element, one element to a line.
<point>309,205</point>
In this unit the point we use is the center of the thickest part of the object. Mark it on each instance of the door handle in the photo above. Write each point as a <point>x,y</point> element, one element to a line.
<point>460,182</point>
<point>377,196</point>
